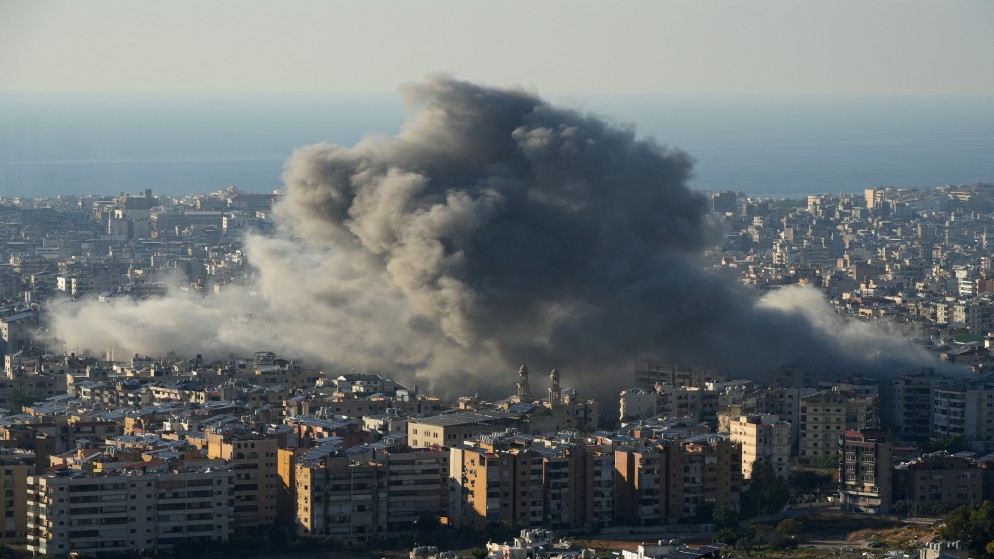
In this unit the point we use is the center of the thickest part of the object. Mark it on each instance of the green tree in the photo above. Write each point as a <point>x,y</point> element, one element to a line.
<point>725,517</point>
<point>18,400</point>
<point>767,492</point>
<point>806,480</point>
<point>829,461</point>
<point>704,513</point>
<point>790,527</point>
<point>950,444</point>
<point>972,523</point>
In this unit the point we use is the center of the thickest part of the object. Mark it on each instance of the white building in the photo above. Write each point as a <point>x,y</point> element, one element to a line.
<point>639,403</point>
<point>145,507</point>
<point>965,411</point>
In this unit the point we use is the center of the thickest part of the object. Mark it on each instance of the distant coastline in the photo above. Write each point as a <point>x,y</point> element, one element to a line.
<point>53,144</point>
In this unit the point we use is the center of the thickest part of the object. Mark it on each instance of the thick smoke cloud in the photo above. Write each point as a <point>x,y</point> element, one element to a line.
<point>493,228</point>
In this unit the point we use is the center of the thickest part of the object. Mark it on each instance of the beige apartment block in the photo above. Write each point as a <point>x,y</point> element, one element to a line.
<point>252,459</point>
<point>762,437</point>
<point>492,485</point>
<point>13,496</point>
<point>825,416</point>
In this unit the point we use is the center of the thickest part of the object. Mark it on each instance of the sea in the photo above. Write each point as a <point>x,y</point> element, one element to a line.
<point>772,146</point>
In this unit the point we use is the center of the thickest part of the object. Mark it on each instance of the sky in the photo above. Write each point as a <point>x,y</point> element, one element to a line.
<point>759,47</point>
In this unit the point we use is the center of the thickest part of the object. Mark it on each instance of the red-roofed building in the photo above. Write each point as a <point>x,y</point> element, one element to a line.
<point>865,470</point>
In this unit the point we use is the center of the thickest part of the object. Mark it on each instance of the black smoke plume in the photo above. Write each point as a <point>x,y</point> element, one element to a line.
<point>496,227</point>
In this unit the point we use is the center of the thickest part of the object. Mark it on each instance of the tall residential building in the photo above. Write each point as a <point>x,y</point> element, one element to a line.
<point>763,437</point>
<point>146,507</point>
<point>252,458</point>
<point>824,416</point>
<point>666,482</point>
<point>913,400</point>
<point>964,411</point>
<point>341,498</point>
<point>14,472</point>
<point>417,483</point>
<point>865,471</point>
<point>494,483</point>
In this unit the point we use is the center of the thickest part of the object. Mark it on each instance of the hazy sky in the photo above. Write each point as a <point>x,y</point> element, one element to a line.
<point>694,46</point>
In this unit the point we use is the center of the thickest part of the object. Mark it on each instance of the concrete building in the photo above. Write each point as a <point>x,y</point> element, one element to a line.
<point>966,412</point>
<point>865,471</point>
<point>639,403</point>
<point>647,374</point>
<point>15,331</point>
<point>666,482</point>
<point>454,428</point>
<point>939,479</point>
<point>494,483</point>
<point>913,401</point>
<point>145,507</point>
<point>252,459</point>
<point>417,483</point>
<point>14,472</point>
<point>341,498</point>
<point>763,437</point>
<point>824,416</point>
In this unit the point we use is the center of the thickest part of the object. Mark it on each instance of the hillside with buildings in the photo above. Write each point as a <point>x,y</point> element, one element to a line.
<point>104,453</point>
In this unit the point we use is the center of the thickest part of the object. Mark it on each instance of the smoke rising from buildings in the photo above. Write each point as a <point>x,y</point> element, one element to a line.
<point>494,227</point>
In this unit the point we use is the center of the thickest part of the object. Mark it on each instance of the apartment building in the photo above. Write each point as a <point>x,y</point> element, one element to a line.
<point>492,482</point>
<point>639,403</point>
<point>913,401</point>
<point>677,374</point>
<point>700,404</point>
<point>826,415</point>
<point>144,507</point>
<point>939,479</point>
<point>663,483</point>
<point>252,459</point>
<point>865,471</point>
<point>340,498</point>
<point>964,411</point>
<point>14,470</point>
<point>417,483</point>
<point>762,437</point>
<point>454,428</point>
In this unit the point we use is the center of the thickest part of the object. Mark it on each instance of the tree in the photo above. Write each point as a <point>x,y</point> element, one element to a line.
<point>790,527</point>
<point>972,523</point>
<point>829,461</point>
<point>704,513</point>
<point>767,493</point>
<point>725,517</point>
<point>18,400</point>
<point>950,444</point>
<point>806,480</point>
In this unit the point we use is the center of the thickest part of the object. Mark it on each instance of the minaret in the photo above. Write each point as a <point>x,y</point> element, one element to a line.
<point>555,393</point>
<point>524,392</point>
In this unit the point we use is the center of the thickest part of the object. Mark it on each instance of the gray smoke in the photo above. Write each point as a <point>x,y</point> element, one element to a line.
<point>494,228</point>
